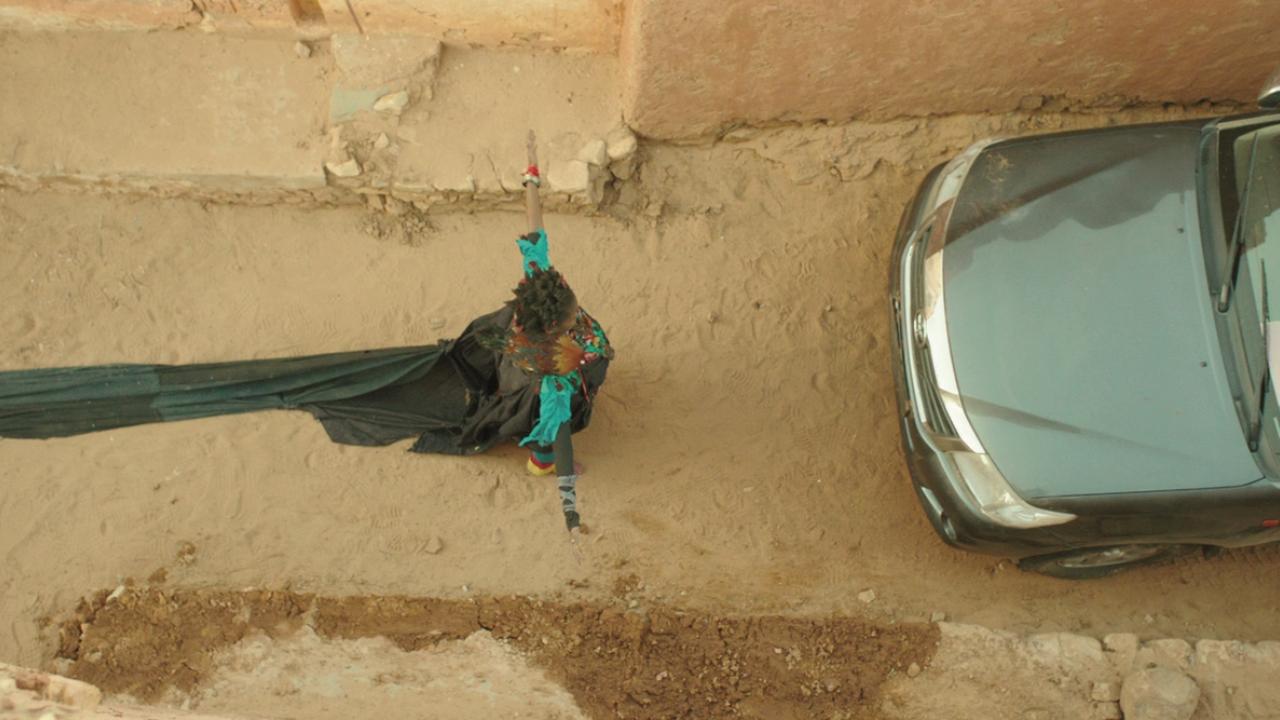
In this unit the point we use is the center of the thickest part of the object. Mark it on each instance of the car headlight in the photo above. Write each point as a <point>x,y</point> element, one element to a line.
<point>996,499</point>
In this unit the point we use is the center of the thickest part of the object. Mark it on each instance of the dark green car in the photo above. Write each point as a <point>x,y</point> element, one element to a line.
<point>1082,326</point>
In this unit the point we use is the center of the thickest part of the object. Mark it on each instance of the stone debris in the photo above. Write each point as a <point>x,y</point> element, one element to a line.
<point>434,545</point>
<point>346,169</point>
<point>1172,653</point>
<point>867,597</point>
<point>573,176</point>
<point>302,49</point>
<point>913,670</point>
<point>621,144</point>
<point>382,142</point>
<point>1121,649</point>
<point>393,103</point>
<point>594,153</point>
<point>21,686</point>
<point>938,616</point>
<point>1159,693</point>
<point>621,147</point>
<point>437,323</point>
<point>186,553</point>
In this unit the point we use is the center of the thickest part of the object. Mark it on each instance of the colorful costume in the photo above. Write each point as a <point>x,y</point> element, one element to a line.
<point>492,384</point>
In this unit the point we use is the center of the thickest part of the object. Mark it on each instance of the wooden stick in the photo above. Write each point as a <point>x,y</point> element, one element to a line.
<point>352,11</point>
<point>533,204</point>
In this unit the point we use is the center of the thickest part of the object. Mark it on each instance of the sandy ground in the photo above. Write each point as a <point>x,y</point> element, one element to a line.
<point>744,456</point>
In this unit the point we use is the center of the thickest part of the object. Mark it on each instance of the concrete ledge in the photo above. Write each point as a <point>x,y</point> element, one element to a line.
<point>577,25</point>
<point>164,108</point>
<point>261,119</point>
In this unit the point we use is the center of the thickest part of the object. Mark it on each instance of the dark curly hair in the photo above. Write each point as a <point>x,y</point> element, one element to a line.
<point>543,301</point>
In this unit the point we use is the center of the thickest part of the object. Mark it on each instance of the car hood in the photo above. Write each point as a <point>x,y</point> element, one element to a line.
<point>1080,317</point>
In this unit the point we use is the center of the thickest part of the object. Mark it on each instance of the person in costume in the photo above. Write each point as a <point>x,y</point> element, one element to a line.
<point>528,372</point>
<point>562,351</point>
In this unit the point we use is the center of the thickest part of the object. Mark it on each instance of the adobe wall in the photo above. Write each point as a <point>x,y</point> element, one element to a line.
<point>695,66</point>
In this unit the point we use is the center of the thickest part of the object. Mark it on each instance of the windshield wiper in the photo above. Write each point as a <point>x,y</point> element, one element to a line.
<point>1255,423</point>
<point>1230,271</point>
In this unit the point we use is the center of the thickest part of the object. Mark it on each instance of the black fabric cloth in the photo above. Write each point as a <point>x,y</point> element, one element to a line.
<point>459,397</point>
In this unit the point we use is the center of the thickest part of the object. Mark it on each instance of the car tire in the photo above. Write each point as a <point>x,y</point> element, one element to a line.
<point>1097,562</point>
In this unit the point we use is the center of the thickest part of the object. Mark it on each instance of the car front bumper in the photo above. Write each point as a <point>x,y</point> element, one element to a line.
<point>942,493</point>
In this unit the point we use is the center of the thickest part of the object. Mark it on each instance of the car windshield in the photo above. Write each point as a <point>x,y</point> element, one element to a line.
<point>1256,163</point>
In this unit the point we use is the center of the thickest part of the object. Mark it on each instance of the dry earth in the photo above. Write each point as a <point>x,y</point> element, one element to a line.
<point>744,458</point>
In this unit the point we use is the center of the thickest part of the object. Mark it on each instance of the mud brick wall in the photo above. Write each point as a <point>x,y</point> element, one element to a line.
<point>695,66</point>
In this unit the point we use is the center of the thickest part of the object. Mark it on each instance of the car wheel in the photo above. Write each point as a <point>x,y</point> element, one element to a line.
<point>1096,562</point>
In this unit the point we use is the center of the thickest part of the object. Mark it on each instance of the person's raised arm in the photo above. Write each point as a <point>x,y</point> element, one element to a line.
<point>533,246</point>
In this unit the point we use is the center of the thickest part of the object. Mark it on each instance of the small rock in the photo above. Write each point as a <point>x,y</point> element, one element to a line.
<point>623,169</point>
<point>867,596</point>
<point>382,142</point>
<point>621,144</point>
<point>831,685</point>
<point>594,153</point>
<point>1105,692</point>
<point>1158,694</point>
<point>302,49</point>
<point>115,594</point>
<point>662,676</point>
<point>1121,649</point>
<point>437,323</point>
<point>75,693</point>
<point>207,24</point>
<point>1170,652</point>
<point>913,670</point>
<point>571,177</point>
<point>434,546</point>
<point>394,103</point>
<point>349,168</point>
<point>938,617</point>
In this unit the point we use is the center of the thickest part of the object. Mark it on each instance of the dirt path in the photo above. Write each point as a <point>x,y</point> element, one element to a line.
<point>744,458</point>
<point>618,659</point>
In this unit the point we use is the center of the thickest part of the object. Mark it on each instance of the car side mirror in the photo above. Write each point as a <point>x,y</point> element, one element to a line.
<point>1270,96</point>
